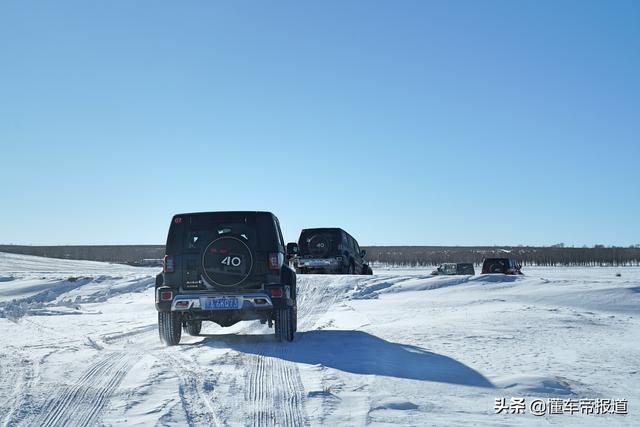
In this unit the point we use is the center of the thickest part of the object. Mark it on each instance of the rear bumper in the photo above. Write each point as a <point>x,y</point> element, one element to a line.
<point>320,270</point>
<point>319,262</point>
<point>194,302</point>
<point>320,265</point>
<point>186,302</point>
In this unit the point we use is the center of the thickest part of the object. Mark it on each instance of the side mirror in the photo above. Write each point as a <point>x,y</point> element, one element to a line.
<point>292,249</point>
<point>363,253</point>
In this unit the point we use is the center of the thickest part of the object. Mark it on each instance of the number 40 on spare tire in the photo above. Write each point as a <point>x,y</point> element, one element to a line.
<point>234,261</point>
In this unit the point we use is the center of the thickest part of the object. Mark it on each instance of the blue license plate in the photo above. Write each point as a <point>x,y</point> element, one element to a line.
<point>221,303</point>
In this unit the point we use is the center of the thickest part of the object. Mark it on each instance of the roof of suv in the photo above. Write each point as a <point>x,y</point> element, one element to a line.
<point>268,233</point>
<point>225,213</point>
<point>324,229</point>
<point>327,229</point>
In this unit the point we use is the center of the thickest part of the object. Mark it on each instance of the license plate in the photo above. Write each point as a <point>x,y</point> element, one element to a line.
<point>316,262</point>
<point>221,303</point>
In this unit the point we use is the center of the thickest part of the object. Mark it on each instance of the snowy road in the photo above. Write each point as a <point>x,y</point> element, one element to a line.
<point>80,347</point>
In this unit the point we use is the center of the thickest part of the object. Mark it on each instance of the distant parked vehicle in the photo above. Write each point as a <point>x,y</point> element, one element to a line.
<point>328,250</point>
<point>501,266</point>
<point>452,269</point>
<point>466,268</point>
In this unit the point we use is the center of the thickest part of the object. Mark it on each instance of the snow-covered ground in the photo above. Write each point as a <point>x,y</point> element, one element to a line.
<point>79,346</point>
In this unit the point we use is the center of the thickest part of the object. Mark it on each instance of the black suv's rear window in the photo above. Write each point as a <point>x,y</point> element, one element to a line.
<point>193,232</point>
<point>320,242</point>
<point>495,265</point>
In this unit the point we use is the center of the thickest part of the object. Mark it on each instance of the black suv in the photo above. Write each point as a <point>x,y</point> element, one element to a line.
<point>328,250</point>
<point>225,267</point>
<point>501,266</point>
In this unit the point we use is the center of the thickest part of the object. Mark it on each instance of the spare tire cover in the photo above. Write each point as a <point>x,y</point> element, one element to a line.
<point>320,245</point>
<point>227,261</point>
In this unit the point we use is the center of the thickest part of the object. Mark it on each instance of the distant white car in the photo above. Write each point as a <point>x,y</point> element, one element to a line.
<point>452,269</point>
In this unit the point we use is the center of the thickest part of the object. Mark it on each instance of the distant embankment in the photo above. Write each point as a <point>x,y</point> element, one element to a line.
<point>125,254</point>
<point>393,255</point>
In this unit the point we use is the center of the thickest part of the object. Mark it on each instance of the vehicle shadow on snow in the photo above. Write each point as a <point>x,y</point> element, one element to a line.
<point>357,352</point>
<point>494,278</point>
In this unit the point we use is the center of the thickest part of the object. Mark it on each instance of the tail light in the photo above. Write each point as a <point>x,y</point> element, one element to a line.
<point>166,296</point>
<point>276,292</point>
<point>168,265</point>
<point>276,260</point>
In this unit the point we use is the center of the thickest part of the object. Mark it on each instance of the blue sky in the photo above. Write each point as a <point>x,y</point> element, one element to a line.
<point>417,123</point>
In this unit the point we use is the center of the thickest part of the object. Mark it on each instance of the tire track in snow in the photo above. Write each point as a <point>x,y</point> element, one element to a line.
<point>21,379</point>
<point>81,403</point>
<point>273,385</point>
<point>274,391</point>
<point>198,408</point>
<point>23,406</point>
<point>9,376</point>
<point>112,337</point>
<point>315,299</point>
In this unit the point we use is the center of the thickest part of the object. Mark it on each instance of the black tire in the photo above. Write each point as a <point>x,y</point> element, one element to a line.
<point>193,327</point>
<point>169,326</point>
<point>368,271</point>
<point>295,319</point>
<point>284,324</point>
<point>348,269</point>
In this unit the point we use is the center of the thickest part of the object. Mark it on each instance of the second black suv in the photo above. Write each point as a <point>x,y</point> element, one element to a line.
<point>225,267</point>
<point>501,266</point>
<point>329,250</point>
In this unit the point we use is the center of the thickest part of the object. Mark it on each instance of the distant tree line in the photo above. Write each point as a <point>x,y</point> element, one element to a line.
<point>556,255</point>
